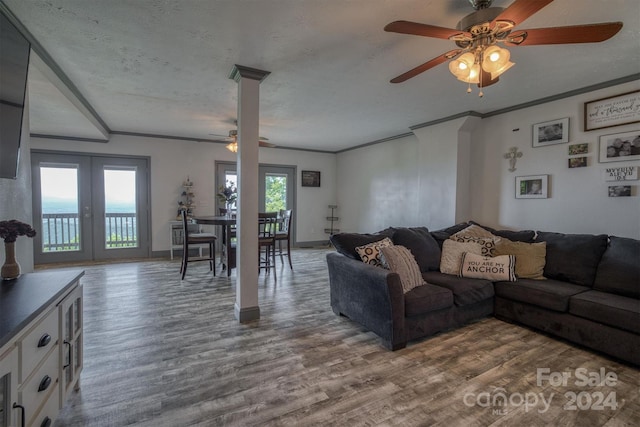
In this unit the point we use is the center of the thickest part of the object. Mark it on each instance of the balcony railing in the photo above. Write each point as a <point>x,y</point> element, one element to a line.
<point>61,231</point>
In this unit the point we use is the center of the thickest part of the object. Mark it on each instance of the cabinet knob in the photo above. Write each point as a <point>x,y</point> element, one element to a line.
<point>46,422</point>
<point>44,340</point>
<point>44,383</point>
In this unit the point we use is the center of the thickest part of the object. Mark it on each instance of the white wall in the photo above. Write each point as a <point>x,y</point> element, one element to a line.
<point>578,201</point>
<point>424,180</point>
<point>173,160</point>
<point>15,198</point>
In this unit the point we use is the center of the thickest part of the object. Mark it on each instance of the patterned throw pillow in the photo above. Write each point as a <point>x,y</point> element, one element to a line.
<point>452,254</point>
<point>489,268</point>
<point>370,253</point>
<point>488,244</point>
<point>400,260</point>
<point>530,257</point>
<point>473,231</point>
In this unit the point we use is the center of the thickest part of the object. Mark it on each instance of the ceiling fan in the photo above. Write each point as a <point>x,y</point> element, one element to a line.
<point>233,140</point>
<point>479,59</point>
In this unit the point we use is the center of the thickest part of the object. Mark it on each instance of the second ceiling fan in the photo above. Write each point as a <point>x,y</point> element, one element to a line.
<point>478,58</point>
<point>233,140</point>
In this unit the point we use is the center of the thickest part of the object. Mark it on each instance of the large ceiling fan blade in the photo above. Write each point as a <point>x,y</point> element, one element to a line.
<point>521,10</point>
<point>417,29</point>
<point>427,65</point>
<point>262,143</point>
<point>589,33</point>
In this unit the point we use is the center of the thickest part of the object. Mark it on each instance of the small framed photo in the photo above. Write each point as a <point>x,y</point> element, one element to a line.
<point>310,178</point>
<point>619,191</point>
<point>532,187</point>
<point>552,132</point>
<point>578,149</point>
<point>577,162</point>
<point>620,147</point>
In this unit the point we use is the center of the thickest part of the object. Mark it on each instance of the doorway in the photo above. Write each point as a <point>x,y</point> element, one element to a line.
<point>89,207</point>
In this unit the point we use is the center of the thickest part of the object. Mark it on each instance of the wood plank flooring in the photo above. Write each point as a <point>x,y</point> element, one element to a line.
<point>165,352</point>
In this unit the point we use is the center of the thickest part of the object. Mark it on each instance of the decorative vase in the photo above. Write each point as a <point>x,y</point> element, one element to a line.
<point>228,206</point>
<point>11,268</point>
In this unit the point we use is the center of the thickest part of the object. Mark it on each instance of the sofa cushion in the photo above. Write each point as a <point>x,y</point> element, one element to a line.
<point>400,260</point>
<point>443,234</point>
<point>370,253</point>
<point>426,298</point>
<point>526,236</point>
<point>452,255</point>
<point>613,310</point>
<point>422,245</point>
<point>486,267</point>
<point>530,257</point>
<point>550,294</point>
<point>465,291</point>
<point>572,257</point>
<point>346,243</point>
<point>619,268</point>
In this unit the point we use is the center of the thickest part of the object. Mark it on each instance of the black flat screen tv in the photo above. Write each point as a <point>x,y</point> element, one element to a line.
<point>14,66</point>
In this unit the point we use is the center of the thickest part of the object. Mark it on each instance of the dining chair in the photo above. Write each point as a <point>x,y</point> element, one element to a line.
<point>197,238</point>
<point>284,234</point>
<point>267,227</point>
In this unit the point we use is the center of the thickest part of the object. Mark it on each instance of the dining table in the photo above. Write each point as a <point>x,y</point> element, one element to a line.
<point>225,223</point>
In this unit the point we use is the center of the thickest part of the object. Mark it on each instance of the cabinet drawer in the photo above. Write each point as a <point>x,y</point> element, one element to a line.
<point>35,344</point>
<point>31,398</point>
<point>48,412</point>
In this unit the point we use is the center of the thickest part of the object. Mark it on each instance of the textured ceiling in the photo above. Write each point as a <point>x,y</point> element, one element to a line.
<point>162,66</point>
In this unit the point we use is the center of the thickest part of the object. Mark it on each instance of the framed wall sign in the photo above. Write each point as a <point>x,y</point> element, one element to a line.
<point>619,147</point>
<point>612,111</point>
<point>532,187</point>
<point>551,132</point>
<point>310,178</point>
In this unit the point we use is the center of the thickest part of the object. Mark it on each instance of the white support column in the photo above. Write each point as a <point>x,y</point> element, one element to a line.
<point>248,79</point>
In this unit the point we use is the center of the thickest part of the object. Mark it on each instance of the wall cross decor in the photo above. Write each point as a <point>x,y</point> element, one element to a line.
<point>512,155</point>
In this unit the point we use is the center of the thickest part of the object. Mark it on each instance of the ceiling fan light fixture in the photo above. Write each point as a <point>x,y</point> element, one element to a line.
<point>462,68</point>
<point>495,58</point>
<point>233,146</point>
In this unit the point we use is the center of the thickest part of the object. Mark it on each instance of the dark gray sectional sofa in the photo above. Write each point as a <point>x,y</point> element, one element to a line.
<point>591,296</point>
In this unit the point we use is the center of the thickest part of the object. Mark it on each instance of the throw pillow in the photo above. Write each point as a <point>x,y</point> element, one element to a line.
<point>488,244</point>
<point>526,236</point>
<point>489,268</point>
<point>370,253</point>
<point>530,257</point>
<point>452,255</point>
<point>473,230</point>
<point>400,260</point>
<point>346,243</point>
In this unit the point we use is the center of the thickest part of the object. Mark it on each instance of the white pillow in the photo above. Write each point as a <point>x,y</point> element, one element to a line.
<point>491,268</point>
<point>473,231</point>
<point>400,260</point>
<point>452,251</point>
<point>370,253</point>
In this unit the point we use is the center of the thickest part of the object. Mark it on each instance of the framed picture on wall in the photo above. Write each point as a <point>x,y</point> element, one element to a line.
<point>612,111</point>
<point>619,147</point>
<point>532,187</point>
<point>551,132</point>
<point>310,178</point>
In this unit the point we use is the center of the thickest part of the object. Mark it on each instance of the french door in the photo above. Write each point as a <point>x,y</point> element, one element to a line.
<point>89,207</point>
<point>276,185</point>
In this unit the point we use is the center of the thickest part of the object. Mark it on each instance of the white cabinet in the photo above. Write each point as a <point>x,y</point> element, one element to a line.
<point>71,346</point>
<point>40,346</point>
<point>9,388</point>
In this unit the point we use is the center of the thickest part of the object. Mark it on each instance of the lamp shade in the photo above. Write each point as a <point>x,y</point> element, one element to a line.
<point>495,60</point>
<point>465,68</point>
<point>233,146</point>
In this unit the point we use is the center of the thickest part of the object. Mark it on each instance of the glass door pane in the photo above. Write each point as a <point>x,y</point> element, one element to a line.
<point>275,192</point>
<point>121,217</point>
<point>60,208</point>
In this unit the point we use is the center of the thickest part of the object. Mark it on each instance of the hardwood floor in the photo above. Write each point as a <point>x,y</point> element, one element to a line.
<point>165,352</point>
